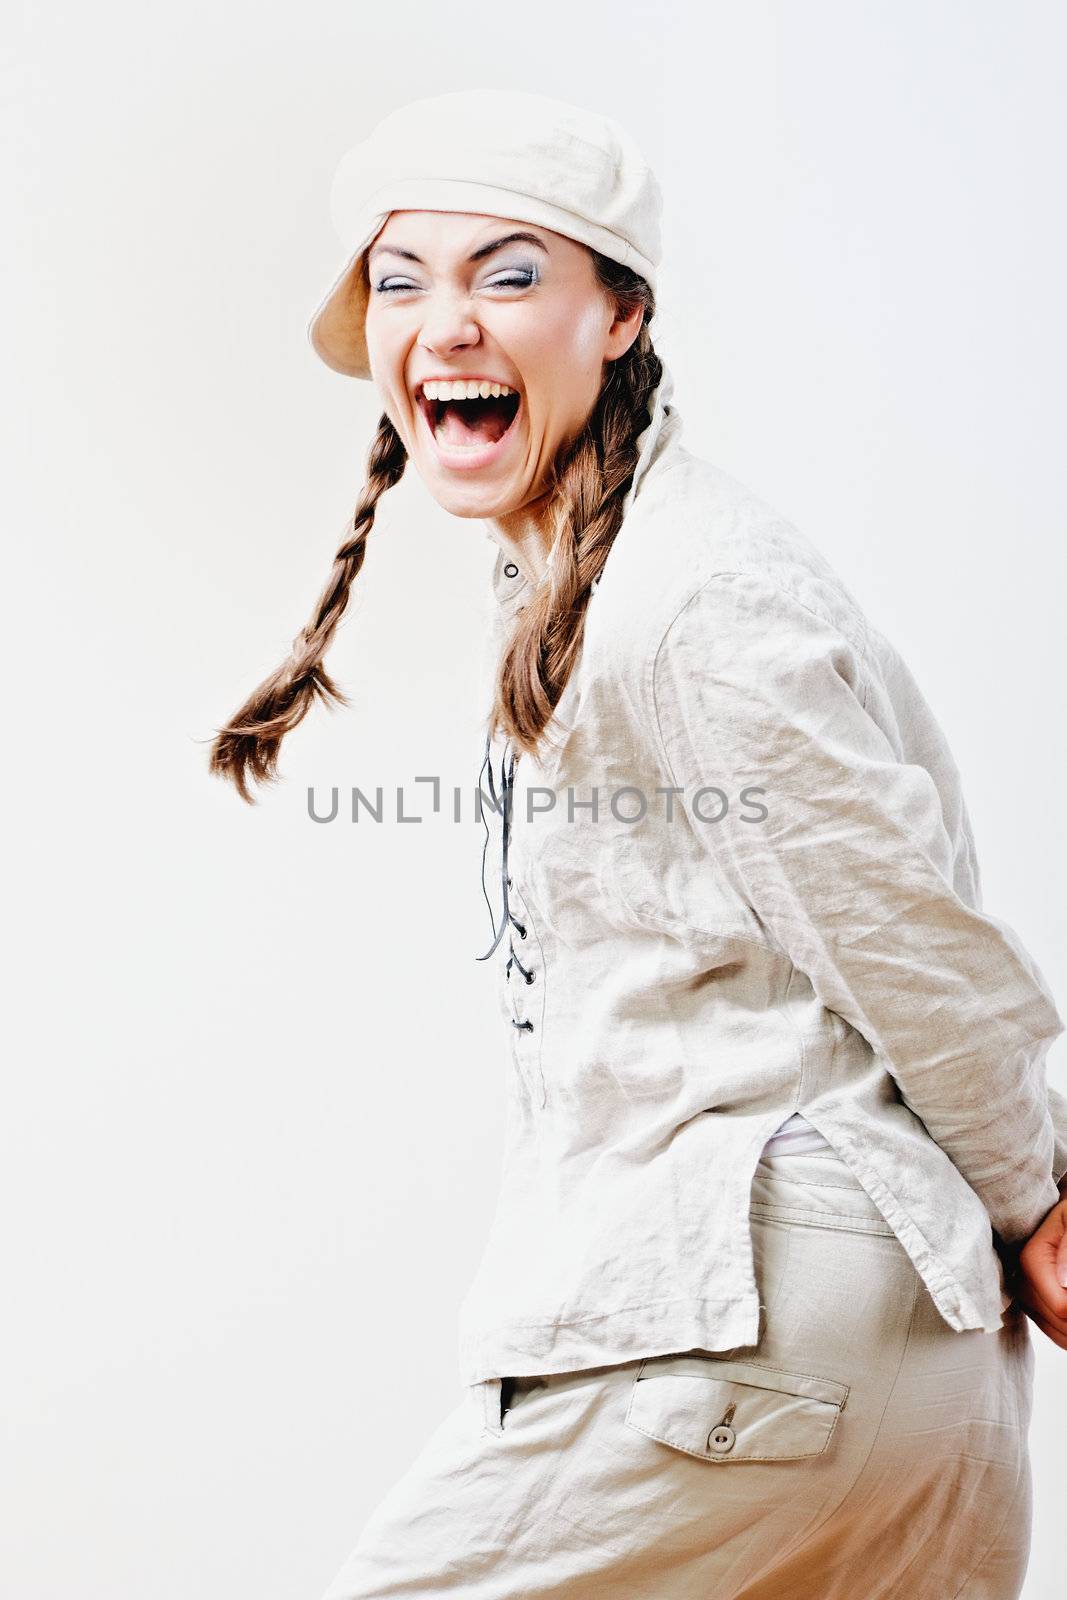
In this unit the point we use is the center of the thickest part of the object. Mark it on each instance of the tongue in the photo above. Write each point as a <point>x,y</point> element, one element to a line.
<point>473,421</point>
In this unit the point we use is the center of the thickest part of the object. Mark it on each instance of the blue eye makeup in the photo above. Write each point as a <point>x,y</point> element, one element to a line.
<point>515,278</point>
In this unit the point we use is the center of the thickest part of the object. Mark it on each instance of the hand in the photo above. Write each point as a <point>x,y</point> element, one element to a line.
<point>1040,1280</point>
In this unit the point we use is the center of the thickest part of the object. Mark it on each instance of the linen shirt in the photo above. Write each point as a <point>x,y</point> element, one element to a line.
<point>742,885</point>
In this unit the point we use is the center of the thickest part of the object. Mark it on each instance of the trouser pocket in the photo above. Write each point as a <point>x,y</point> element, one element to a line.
<point>724,1410</point>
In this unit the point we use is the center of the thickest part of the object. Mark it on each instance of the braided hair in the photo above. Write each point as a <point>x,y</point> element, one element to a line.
<point>588,484</point>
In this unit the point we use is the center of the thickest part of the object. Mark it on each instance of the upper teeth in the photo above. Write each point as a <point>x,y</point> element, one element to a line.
<point>464,390</point>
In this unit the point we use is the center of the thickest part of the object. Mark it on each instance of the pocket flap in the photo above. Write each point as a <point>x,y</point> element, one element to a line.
<point>734,1410</point>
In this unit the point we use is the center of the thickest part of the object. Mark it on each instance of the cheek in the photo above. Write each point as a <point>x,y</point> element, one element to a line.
<point>587,336</point>
<point>566,366</point>
<point>384,347</point>
<point>387,375</point>
<point>573,336</point>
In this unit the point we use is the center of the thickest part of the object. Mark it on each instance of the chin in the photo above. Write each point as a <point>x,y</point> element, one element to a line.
<point>471,499</point>
<point>464,503</point>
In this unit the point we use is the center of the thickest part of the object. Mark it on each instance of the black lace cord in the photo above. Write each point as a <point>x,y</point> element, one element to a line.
<point>505,809</point>
<point>509,919</point>
<point>485,846</point>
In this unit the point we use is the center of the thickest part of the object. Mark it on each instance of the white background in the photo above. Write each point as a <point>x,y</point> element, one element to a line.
<point>253,1087</point>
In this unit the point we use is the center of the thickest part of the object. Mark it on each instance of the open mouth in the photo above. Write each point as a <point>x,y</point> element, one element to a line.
<point>469,424</point>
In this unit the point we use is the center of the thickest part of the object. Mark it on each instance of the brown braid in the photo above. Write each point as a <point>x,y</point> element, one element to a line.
<point>590,480</point>
<point>248,745</point>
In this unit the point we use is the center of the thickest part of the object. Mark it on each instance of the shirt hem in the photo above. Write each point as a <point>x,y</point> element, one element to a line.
<point>664,1327</point>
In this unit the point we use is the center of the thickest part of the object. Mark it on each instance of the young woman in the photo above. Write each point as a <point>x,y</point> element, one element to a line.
<point>780,1188</point>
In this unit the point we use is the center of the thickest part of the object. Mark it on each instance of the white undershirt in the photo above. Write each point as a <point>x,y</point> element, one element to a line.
<point>796,1136</point>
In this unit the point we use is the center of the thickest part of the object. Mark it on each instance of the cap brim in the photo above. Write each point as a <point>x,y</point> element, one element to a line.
<point>336,330</point>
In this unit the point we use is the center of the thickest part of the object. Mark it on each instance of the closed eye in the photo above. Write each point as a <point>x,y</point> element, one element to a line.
<point>520,280</point>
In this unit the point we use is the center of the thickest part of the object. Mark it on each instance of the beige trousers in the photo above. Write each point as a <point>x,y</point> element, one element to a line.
<point>861,1449</point>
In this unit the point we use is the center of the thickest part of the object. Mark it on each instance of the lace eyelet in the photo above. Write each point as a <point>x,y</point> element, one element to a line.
<point>521,930</point>
<point>530,977</point>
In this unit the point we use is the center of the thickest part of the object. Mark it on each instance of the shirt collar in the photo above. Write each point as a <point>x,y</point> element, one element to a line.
<point>664,425</point>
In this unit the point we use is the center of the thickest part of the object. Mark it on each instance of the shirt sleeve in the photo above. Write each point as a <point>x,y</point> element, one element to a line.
<point>849,868</point>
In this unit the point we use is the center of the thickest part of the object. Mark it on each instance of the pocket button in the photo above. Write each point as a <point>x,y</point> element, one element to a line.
<point>722,1439</point>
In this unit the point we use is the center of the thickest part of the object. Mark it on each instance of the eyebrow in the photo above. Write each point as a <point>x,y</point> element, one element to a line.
<point>475,255</point>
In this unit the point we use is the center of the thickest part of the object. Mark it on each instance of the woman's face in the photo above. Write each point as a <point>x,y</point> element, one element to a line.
<point>456,296</point>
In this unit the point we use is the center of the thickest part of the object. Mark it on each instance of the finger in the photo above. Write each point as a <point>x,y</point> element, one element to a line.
<point>1036,1308</point>
<point>1039,1264</point>
<point>1057,1336</point>
<point>1040,1282</point>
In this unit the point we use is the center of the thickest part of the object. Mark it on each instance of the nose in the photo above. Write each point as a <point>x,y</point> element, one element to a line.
<point>448,324</point>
